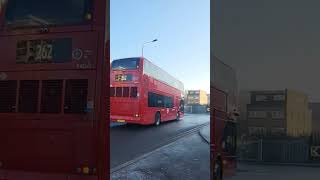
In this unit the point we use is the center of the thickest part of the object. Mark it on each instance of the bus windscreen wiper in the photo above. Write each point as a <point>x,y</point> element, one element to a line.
<point>41,21</point>
<point>29,21</point>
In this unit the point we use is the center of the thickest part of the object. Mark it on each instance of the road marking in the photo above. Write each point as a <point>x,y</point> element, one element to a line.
<point>163,145</point>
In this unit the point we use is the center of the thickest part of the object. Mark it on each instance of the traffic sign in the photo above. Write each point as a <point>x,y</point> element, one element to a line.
<point>315,151</point>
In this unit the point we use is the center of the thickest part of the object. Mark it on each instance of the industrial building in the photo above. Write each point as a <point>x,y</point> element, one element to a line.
<point>282,112</point>
<point>198,97</point>
<point>196,101</point>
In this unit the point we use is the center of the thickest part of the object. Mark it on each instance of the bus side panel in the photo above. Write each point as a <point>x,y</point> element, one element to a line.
<point>167,114</point>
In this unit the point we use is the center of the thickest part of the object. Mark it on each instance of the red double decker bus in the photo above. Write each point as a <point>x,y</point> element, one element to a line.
<point>54,74</point>
<point>143,93</point>
<point>224,110</point>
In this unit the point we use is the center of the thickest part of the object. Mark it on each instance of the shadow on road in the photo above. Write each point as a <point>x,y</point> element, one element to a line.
<point>143,127</point>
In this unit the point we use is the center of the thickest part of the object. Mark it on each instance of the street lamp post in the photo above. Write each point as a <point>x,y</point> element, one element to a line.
<point>147,43</point>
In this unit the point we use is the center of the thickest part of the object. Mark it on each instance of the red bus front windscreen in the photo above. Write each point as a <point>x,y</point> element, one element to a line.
<point>125,64</point>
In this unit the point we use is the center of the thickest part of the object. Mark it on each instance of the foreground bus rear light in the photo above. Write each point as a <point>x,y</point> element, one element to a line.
<point>136,115</point>
<point>85,170</point>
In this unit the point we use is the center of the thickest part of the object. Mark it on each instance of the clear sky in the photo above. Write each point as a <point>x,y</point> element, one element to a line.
<point>272,44</point>
<point>182,28</point>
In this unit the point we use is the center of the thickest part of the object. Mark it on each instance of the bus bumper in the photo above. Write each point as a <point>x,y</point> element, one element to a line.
<point>23,175</point>
<point>127,119</point>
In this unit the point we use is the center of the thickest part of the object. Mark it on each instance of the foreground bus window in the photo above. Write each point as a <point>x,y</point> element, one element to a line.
<point>20,13</point>
<point>142,93</point>
<point>53,74</point>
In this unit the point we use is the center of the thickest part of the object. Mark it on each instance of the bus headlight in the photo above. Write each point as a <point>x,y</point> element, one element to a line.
<point>136,115</point>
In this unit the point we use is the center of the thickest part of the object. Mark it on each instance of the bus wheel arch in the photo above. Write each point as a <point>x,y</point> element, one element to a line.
<point>157,118</point>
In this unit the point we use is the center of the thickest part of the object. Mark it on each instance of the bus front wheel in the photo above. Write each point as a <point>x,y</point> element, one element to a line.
<point>178,116</point>
<point>157,119</point>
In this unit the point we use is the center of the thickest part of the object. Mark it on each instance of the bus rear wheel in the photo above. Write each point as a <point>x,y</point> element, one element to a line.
<point>178,116</point>
<point>218,171</point>
<point>157,119</point>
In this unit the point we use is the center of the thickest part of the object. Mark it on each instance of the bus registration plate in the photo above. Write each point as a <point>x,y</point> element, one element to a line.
<point>121,121</point>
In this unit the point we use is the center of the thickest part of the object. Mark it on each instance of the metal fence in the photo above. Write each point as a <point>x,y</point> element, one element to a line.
<point>315,147</point>
<point>286,151</point>
<point>196,109</point>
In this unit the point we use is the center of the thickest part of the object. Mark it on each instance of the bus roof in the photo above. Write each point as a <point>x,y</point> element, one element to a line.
<point>158,73</point>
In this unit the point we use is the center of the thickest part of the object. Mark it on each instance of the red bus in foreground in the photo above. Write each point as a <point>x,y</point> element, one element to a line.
<point>54,71</point>
<point>224,111</point>
<point>142,93</point>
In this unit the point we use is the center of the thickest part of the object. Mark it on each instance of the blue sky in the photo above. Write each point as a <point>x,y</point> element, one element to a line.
<point>182,28</point>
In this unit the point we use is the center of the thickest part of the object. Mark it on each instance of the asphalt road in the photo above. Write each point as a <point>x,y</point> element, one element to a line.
<point>283,172</point>
<point>131,141</point>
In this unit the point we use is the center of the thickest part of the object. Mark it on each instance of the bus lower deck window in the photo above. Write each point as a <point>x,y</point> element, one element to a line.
<point>112,91</point>
<point>125,92</point>
<point>119,91</point>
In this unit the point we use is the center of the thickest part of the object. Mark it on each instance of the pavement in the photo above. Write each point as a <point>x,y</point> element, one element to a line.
<point>205,133</point>
<point>307,164</point>
<point>275,172</point>
<point>186,157</point>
